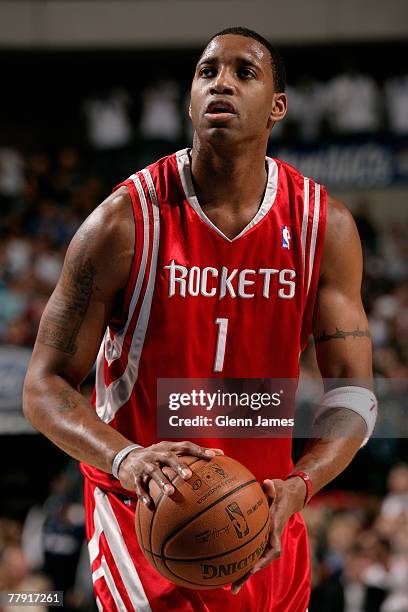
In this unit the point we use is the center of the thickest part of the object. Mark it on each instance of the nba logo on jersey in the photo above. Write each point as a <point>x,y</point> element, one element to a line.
<point>285,237</point>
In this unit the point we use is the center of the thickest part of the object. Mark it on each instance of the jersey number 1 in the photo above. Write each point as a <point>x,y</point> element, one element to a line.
<point>221,341</point>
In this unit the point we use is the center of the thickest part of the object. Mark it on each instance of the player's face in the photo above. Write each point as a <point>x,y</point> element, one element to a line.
<point>232,94</point>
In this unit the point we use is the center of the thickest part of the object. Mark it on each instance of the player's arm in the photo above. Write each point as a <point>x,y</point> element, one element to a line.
<point>95,269</point>
<point>95,273</point>
<point>343,349</point>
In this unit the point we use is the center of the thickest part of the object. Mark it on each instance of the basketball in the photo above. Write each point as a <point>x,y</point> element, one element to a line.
<point>212,530</point>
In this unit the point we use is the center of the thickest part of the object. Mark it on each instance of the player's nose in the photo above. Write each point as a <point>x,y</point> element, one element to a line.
<point>223,83</point>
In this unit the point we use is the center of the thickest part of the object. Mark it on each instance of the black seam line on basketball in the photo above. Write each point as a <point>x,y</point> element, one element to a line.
<point>157,506</point>
<point>213,556</point>
<point>214,503</point>
<point>210,585</point>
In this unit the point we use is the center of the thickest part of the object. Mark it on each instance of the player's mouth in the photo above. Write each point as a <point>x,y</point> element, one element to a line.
<point>220,111</point>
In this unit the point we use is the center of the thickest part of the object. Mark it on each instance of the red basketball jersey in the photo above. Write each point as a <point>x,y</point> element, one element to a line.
<point>201,305</point>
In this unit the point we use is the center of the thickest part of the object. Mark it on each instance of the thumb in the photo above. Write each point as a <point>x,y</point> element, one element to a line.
<point>269,489</point>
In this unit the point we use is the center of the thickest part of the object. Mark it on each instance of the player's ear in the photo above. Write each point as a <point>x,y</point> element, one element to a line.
<point>279,108</point>
<point>189,110</point>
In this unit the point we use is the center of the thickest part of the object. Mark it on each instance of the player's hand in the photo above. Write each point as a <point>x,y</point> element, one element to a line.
<point>145,464</point>
<point>285,498</point>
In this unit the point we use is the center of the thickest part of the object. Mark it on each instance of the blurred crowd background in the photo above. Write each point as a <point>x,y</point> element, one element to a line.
<point>80,122</point>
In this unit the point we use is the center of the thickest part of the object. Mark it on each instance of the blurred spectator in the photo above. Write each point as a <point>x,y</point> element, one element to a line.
<point>17,252</point>
<point>11,174</point>
<point>311,107</point>
<point>160,120</point>
<point>341,533</point>
<point>396,98</point>
<point>110,134</point>
<point>360,557</point>
<point>353,103</point>
<point>63,534</point>
<point>15,571</point>
<point>348,591</point>
<point>39,178</point>
<point>108,120</point>
<point>395,503</point>
<point>160,117</point>
<point>53,536</point>
<point>68,174</point>
<point>47,263</point>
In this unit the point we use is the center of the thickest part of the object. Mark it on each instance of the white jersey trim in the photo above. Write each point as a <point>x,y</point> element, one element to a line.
<point>105,521</point>
<point>113,348</point>
<point>315,226</point>
<point>104,572</point>
<point>100,388</point>
<point>93,544</point>
<point>305,220</point>
<point>183,164</point>
<point>109,400</point>
<point>98,573</point>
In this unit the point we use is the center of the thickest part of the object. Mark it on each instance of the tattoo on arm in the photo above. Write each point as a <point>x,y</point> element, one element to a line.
<point>342,334</point>
<point>61,324</point>
<point>68,401</point>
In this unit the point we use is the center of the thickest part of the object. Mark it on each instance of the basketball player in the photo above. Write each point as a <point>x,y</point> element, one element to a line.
<point>214,240</point>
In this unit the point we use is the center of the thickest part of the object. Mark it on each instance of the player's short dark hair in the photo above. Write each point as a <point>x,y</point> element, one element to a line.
<point>277,62</point>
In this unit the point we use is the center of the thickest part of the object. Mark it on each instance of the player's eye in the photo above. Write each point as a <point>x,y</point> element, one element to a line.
<point>246,73</point>
<point>206,71</point>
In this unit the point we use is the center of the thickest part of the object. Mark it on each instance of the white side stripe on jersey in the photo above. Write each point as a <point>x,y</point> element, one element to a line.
<point>315,225</point>
<point>100,388</point>
<point>98,573</point>
<point>103,571</point>
<point>112,586</point>
<point>305,224</point>
<point>113,349</point>
<point>105,520</point>
<point>110,400</point>
<point>99,605</point>
<point>93,544</point>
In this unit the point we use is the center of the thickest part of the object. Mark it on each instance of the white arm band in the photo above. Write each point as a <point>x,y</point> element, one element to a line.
<point>119,457</point>
<point>360,400</point>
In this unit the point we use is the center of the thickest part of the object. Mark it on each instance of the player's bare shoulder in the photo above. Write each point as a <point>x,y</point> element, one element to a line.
<point>107,237</point>
<point>339,218</point>
<point>112,224</point>
<point>342,242</point>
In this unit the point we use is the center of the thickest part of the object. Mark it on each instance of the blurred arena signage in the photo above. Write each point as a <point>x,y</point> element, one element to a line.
<point>364,165</point>
<point>13,366</point>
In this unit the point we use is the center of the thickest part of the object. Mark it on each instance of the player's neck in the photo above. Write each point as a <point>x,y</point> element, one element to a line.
<point>237,179</point>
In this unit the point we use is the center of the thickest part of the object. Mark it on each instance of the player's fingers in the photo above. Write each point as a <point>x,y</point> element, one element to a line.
<point>273,552</point>
<point>271,555</point>
<point>237,585</point>
<point>189,448</point>
<point>142,492</point>
<point>270,490</point>
<point>173,461</point>
<point>156,474</point>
